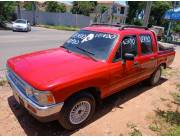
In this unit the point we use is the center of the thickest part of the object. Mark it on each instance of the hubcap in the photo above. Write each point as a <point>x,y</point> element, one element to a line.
<point>80,112</point>
<point>157,76</point>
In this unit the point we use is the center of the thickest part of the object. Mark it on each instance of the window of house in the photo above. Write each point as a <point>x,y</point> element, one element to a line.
<point>122,10</point>
<point>146,44</point>
<point>128,45</point>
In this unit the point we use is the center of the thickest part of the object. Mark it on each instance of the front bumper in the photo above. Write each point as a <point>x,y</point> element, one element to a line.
<point>39,112</point>
<point>19,29</point>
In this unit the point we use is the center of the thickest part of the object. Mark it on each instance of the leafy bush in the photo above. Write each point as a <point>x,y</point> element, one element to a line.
<point>7,8</point>
<point>54,6</point>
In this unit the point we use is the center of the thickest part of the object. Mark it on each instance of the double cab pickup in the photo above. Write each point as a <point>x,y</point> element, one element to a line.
<point>66,83</point>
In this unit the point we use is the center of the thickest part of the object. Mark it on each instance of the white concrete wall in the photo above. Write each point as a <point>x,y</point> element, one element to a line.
<point>51,18</point>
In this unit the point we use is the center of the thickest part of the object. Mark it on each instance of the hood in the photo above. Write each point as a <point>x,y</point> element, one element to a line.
<point>44,69</point>
<point>19,24</point>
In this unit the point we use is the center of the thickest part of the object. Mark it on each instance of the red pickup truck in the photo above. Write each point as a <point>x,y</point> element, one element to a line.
<point>66,83</point>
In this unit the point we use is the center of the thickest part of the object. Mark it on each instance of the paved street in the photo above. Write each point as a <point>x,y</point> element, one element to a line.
<point>16,43</point>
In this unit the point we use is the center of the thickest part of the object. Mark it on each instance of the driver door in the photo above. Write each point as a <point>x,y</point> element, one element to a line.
<point>124,73</point>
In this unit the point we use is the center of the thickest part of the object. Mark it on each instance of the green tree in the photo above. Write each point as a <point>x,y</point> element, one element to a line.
<point>135,8</point>
<point>103,9</point>
<point>28,5</point>
<point>176,27</point>
<point>7,9</point>
<point>157,11</point>
<point>53,6</point>
<point>83,7</point>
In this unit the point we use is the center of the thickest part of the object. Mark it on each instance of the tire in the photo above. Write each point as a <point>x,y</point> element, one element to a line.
<point>155,77</point>
<point>66,118</point>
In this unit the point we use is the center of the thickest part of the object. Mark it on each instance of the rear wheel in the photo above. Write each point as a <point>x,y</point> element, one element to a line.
<point>77,111</point>
<point>155,77</point>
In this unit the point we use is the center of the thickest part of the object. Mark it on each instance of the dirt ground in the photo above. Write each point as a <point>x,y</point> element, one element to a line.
<point>131,106</point>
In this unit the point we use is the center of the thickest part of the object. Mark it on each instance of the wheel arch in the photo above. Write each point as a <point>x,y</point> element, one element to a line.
<point>92,90</point>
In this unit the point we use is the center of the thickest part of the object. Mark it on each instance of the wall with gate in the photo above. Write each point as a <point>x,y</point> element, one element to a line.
<point>51,18</point>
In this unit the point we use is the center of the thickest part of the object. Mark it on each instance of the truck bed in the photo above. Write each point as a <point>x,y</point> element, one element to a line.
<point>166,53</point>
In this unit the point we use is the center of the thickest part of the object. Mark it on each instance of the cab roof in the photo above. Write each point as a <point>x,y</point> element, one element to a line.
<point>116,29</point>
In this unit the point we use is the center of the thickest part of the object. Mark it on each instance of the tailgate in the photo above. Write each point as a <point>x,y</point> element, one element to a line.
<point>166,56</point>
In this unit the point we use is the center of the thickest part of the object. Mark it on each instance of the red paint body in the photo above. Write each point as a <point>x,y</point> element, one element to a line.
<point>65,73</point>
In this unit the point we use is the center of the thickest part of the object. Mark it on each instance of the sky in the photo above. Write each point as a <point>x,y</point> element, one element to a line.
<point>69,2</point>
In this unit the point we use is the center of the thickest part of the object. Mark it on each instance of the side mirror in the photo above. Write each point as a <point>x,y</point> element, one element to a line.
<point>128,56</point>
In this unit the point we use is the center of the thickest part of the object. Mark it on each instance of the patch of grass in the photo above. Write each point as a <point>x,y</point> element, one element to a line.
<point>178,86</point>
<point>165,72</point>
<point>131,125</point>
<point>134,130</point>
<point>70,28</point>
<point>169,116</point>
<point>168,72</point>
<point>3,82</point>
<point>175,131</point>
<point>176,97</point>
<point>154,127</point>
<point>166,123</point>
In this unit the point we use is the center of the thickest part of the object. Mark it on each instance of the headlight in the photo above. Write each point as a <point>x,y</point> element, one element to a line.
<point>41,97</point>
<point>44,97</point>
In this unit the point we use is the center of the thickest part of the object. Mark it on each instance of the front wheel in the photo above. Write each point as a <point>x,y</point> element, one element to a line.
<point>155,77</point>
<point>77,111</point>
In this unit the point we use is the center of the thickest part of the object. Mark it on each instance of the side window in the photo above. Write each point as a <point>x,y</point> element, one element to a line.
<point>146,44</point>
<point>128,45</point>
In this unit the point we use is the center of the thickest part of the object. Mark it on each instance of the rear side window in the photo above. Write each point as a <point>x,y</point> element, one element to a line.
<point>146,44</point>
<point>128,45</point>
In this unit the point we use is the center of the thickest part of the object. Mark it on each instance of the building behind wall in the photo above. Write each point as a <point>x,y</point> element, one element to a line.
<point>119,10</point>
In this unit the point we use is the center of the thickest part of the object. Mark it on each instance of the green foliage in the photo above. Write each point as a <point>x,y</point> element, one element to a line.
<point>134,130</point>
<point>178,86</point>
<point>157,11</point>
<point>138,22</point>
<point>135,8</point>
<point>174,132</point>
<point>169,116</point>
<point>103,8</point>
<point>176,96</point>
<point>167,122</point>
<point>7,8</point>
<point>154,127</point>
<point>177,27</point>
<point>53,6</point>
<point>83,7</point>
<point>28,5</point>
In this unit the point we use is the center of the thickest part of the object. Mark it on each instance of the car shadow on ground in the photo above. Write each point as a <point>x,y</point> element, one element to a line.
<point>33,127</point>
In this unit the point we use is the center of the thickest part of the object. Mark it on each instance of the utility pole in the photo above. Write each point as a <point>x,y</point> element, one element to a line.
<point>19,9</point>
<point>34,12</point>
<point>112,12</point>
<point>147,13</point>
<point>170,23</point>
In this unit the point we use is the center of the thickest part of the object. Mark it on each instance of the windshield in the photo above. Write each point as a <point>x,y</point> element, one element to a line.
<point>96,44</point>
<point>21,21</point>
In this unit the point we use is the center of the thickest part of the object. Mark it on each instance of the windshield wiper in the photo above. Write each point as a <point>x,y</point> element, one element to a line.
<point>86,51</point>
<point>66,48</point>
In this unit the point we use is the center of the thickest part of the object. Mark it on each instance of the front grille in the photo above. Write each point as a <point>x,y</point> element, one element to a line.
<point>17,81</point>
